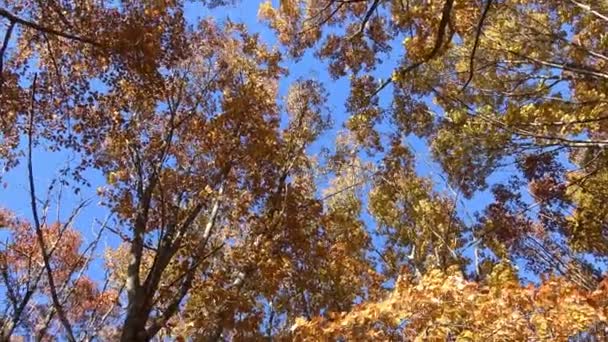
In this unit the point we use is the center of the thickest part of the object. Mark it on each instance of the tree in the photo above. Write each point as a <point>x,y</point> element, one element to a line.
<point>229,228</point>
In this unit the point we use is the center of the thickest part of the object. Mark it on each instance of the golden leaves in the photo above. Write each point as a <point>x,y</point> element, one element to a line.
<point>441,305</point>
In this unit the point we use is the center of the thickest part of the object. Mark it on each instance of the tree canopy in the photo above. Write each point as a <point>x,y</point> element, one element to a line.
<point>235,204</point>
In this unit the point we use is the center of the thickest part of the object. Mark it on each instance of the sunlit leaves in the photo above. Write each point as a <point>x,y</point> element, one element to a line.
<point>444,305</point>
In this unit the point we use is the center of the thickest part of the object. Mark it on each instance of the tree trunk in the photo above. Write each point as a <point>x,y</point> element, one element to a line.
<point>134,327</point>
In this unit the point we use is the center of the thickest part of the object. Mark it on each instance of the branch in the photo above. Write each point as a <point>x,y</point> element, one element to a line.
<point>133,284</point>
<point>445,19</point>
<point>270,322</point>
<point>588,8</point>
<point>7,37</point>
<point>125,238</point>
<point>9,288</point>
<point>484,14</point>
<point>33,281</point>
<point>38,226</point>
<point>193,266</point>
<point>57,9</point>
<point>558,140</point>
<point>326,19</point>
<point>575,68</point>
<point>15,19</point>
<point>105,316</point>
<point>172,308</point>
<point>64,290</point>
<point>212,217</point>
<point>152,282</point>
<point>367,17</point>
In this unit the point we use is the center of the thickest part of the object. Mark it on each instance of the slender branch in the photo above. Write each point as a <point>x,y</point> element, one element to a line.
<point>366,19</point>
<point>212,218</point>
<point>55,7</point>
<point>152,281</point>
<point>38,27</point>
<point>9,288</point>
<point>7,38</point>
<point>38,227</point>
<point>270,326</point>
<point>106,314</point>
<point>575,68</point>
<point>574,143</point>
<point>145,196</point>
<point>171,309</point>
<point>484,14</point>
<point>193,266</point>
<point>314,16</point>
<point>66,292</point>
<point>443,24</point>
<point>326,19</point>
<point>93,314</point>
<point>33,281</point>
<point>589,9</point>
<point>126,238</point>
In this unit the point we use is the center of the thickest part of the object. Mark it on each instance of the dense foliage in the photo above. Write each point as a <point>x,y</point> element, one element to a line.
<point>230,225</point>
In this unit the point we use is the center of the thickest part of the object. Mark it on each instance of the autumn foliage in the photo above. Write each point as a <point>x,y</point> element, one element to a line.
<point>457,194</point>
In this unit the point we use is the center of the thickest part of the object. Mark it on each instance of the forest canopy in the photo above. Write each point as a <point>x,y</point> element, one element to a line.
<point>216,185</point>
